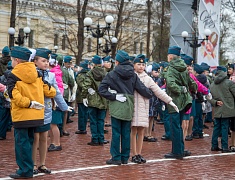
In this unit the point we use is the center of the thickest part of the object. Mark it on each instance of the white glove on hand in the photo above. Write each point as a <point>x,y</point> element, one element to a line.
<point>184,89</point>
<point>112,91</point>
<point>91,91</point>
<point>203,106</point>
<point>70,109</point>
<point>120,97</point>
<point>36,105</point>
<point>73,97</point>
<point>163,107</point>
<point>85,102</point>
<point>209,96</point>
<point>174,106</point>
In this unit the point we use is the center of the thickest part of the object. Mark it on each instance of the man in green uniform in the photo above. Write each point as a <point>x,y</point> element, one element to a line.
<point>179,84</point>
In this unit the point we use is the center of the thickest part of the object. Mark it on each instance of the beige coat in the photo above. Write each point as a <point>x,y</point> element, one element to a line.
<point>141,111</point>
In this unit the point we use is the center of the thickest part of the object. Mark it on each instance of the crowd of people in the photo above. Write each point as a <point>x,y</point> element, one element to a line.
<point>40,90</point>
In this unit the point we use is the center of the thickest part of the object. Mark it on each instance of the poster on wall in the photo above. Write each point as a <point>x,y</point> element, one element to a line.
<point>209,18</point>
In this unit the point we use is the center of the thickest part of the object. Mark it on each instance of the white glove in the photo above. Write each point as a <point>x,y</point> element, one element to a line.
<point>120,97</point>
<point>91,91</point>
<point>36,105</point>
<point>70,109</point>
<point>112,91</point>
<point>163,107</point>
<point>203,106</point>
<point>73,97</point>
<point>174,106</point>
<point>184,89</point>
<point>209,96</point>
<point>85,102</point>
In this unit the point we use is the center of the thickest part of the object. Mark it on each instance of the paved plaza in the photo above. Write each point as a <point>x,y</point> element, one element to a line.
<point>78,160</point>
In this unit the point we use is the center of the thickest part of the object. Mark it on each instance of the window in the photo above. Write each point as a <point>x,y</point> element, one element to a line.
<point>135,47</point>
<point>63,42</point>
<point>141,47</point>
<point>56,39</point>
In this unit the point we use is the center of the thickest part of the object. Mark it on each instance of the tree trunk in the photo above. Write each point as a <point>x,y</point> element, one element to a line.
<point>161,29</point>
<point>12,20</point>
<point>81,13</point>
<point>118,25</point>
<point>148,28</point>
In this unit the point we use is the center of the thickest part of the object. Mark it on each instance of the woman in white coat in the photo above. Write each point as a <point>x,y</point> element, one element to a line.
<point>141,113</point>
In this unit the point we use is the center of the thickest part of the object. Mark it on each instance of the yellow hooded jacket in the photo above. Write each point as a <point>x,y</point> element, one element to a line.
<point>24,86</point>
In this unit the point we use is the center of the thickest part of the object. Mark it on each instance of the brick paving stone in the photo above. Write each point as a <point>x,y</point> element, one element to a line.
<point>76,154</point>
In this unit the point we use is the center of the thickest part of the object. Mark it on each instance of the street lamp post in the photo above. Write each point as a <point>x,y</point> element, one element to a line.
<point>193,41</point>
<point>99,31</point>
<point>108,45</point>
<point>20,39</point>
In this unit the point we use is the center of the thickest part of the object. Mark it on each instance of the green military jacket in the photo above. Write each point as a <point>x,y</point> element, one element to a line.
<point>93,80</point>
<point>3,64</point>
<point>68,82</point>
<point>223,89</point>
<point>177,76</point>
<point>80,79</point>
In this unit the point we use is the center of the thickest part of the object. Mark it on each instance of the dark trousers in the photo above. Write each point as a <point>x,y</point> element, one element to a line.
<point>5,118</point>
<point>198,122</point>
<point>166,120</point>
<point>69,113</point>
<point>120,132</point>
<point>24,138</point>
<point>177,132</point>
<point>97,117</point>
<point>160,112</point>
<point>220,127</point>
<point>82,117</point>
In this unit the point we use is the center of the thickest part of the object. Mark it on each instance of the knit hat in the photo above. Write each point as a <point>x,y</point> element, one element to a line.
<point>198,68</point>
<point>174,50</point>
<point>6,51</point>
<point>67,59</point>
<point>43,52</point>
<point>97,59</point>
<point>20,52</point>
<point>122,56</point>
<point>202,78</point>
<point>221,68</point>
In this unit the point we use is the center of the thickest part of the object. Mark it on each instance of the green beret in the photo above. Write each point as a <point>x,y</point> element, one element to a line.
<point>6,51</point>
<point>132,58</point>
<point>139,60</point>
<point>107,59</point>
<point>174,50</point>
<point>20,52</point>
<point>59,58</point>
<point>67,59</point>
<point>187,59</point>
<point>96,59</point>
<point>231,65</point>
<point>122,56</point>
<point>43,52</point>
<point>221,68</point>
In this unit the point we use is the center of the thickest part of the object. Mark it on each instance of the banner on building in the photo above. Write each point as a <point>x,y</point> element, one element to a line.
<point>209,18</point>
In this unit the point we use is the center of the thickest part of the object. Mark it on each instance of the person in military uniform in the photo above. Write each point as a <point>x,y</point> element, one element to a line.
<point>178,86</point>
<point>4,59</point>
<point>82,109</point>
<point>118,87</point>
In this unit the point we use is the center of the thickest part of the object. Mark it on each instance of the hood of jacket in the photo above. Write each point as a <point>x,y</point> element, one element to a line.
<point>178,64</point>
<point>221,76</point>
<point>125,70</point>
<point>98,73</point>
<point>56,70</point>
<point>26,72</point>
